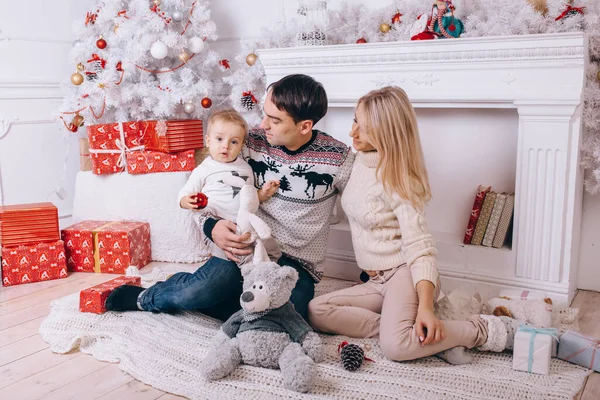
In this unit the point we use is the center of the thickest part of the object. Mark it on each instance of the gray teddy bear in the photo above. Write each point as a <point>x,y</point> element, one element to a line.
<point>267,332</point>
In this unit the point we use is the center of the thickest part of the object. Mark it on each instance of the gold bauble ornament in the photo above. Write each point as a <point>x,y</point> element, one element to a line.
<point>80,67</point>
<point>385,28</point>
<point>540,6</point>
<point>251,59</point>
<point>78,120</point>
<point>77,79</point>
<point>183,57</point>
<point>102,85</point>
<point>156,2</point>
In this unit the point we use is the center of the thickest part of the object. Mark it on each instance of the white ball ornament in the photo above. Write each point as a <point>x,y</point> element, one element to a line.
<point>196,44</point>
<point>177,16</point>
<point>159,50</point>
<point>189,108</point>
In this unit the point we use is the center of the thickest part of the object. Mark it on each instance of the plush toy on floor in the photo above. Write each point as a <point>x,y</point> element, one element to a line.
<point>537,312</point>
<point>267,332</point>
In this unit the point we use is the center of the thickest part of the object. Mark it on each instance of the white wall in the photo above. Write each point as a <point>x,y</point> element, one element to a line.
<point>34,62</point>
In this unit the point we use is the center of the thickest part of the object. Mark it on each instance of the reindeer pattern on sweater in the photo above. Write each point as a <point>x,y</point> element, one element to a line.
<point>310,178</point>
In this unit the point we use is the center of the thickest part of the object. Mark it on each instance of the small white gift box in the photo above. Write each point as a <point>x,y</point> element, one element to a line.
<point>532,349</point>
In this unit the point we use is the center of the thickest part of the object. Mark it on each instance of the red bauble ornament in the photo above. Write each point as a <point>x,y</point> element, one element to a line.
<point>206,102</point>
<point>361,40</point>
<point>101,43</point>
<point>396,18</point>
<point>201,200</point>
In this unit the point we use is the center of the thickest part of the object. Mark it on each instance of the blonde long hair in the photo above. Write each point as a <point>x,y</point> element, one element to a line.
<point>391,125</point>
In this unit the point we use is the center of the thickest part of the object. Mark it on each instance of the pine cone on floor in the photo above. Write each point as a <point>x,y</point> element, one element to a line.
<point>352,356</point>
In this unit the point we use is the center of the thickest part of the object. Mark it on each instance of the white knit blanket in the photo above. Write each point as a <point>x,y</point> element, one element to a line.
<point>165,351</point>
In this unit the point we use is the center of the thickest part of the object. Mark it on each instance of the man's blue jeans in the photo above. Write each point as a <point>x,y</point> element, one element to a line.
<point>215,290</point>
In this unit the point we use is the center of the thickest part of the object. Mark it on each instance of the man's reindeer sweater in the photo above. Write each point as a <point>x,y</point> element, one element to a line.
<point>310,178</point>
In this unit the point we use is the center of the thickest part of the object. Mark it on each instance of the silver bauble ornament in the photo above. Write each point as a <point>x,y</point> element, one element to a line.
<point>189,108</point>
<point>177,16</point>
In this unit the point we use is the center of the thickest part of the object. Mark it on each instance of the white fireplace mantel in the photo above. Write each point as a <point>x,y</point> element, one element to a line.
<point>541,76</point>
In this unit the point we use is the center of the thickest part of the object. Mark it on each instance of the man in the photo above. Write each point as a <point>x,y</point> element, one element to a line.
<point>313,169</point>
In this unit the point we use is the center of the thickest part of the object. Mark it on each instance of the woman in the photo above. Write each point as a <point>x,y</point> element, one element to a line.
<point>384,201</point>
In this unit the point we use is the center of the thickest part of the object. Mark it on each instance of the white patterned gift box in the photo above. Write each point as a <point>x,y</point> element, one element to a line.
<point>533,348</point>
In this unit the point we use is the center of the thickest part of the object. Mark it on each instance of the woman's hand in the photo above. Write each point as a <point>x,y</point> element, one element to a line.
<point>429,328</point>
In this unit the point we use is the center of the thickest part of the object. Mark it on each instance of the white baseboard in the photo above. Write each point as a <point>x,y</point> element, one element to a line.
<point>341,264</point>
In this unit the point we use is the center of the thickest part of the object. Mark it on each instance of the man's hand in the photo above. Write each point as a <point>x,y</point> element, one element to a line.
<point>267,190</point>
<point>225,236</point>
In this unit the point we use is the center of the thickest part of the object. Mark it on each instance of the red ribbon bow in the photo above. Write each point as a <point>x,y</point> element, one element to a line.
<point>251,95</point>
<point>96,57</point>
<point>225,63</point>
<point>90,18</point>
<point>119,66</point>
<point>570,10</point>
<point>122,14</point>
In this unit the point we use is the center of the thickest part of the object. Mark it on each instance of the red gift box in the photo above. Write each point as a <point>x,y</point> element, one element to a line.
<point>107,247</point>
<point>94,299</point>
<point>109,143</point>
<point>172,136</point>
<point>144,162</point>
<point>33,223</point>
<point>33,263</point>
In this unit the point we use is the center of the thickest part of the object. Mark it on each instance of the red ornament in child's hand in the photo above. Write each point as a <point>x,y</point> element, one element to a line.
<point>201,200</point>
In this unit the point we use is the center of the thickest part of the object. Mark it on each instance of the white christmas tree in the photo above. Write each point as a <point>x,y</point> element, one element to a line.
<point>141,59</point>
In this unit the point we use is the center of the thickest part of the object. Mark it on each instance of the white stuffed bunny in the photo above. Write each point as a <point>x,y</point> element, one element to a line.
<point>248,221</point>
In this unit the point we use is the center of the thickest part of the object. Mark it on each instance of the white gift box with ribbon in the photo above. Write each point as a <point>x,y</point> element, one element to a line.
<point>533,348</point>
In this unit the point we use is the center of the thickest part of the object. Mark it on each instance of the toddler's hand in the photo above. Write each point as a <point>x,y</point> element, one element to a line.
<point>191,202</point>
<point>267,190</point>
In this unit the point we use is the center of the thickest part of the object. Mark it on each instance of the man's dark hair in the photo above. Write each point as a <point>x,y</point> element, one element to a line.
<point>300,96</point>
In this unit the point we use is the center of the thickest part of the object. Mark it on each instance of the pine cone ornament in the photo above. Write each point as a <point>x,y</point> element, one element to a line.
<point>352,356</point>
<point>248,101</point>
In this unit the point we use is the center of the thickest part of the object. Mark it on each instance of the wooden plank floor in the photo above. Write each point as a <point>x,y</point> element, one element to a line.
<point>29,370</point>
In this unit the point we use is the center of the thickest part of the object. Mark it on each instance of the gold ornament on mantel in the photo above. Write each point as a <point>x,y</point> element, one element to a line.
<point>80,67</point>
<point>251,59</point>
<point>77,79</point>
<point>385,28</point>
<point>183,57</point>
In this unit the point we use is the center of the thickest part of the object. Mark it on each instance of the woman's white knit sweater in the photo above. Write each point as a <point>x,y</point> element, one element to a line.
<point>387,231</point>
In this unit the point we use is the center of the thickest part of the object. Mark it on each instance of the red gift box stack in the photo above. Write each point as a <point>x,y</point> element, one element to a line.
<point>144,146</point>
<point>93,299</point>
<point>31,247</point>
<point>107,246</point>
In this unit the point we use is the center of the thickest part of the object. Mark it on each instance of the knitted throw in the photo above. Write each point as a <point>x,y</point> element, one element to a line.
<point>165,351</point>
